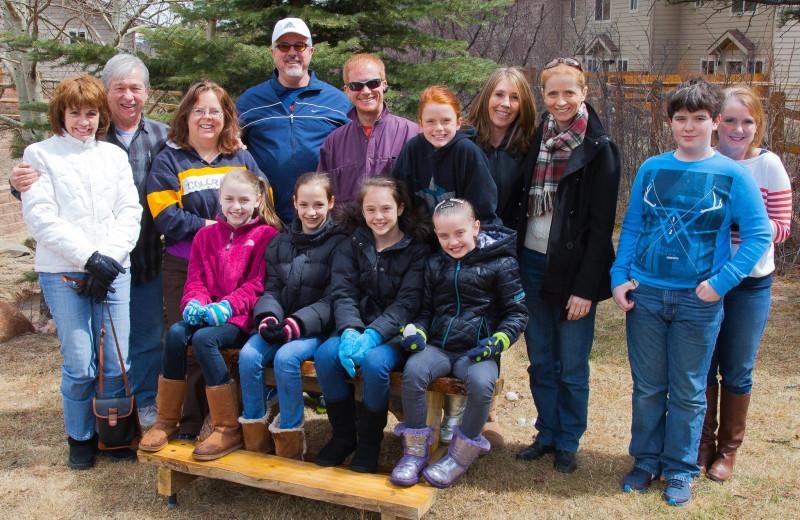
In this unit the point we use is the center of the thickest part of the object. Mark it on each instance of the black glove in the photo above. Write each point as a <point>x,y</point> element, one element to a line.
<point>95,289</point>
<point>271,331</point>
<point>104,268</point>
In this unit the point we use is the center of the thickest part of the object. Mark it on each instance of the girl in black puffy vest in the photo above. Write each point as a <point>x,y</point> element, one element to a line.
<point>376,285</point>
<point>473,309</point>
<point>293,317</point>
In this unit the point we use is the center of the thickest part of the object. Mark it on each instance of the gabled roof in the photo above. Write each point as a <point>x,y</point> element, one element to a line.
<point>733,38</point>
<point>601,43</point>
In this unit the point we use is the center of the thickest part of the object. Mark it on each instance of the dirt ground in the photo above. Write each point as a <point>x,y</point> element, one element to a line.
<point>35,482</point>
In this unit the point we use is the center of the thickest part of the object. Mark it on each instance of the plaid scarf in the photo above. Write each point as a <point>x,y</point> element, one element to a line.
<point>552,161</point>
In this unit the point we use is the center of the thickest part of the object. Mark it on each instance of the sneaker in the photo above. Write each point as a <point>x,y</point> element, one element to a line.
<point>119,455</point>
<point>148,415</point>
<point>186,437</point>
<point>565,461</point>
<point>322,407</point>
<point>272,394</point>
<point>678,492</point>
<point>535,451</point>
<point>81,453</point>
<point>637,480</point>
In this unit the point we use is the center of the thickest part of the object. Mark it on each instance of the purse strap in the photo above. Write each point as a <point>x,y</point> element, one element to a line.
<point>77,284</point>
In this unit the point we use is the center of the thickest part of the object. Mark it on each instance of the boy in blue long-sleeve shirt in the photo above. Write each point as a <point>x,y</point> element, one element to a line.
<point>673,266</point>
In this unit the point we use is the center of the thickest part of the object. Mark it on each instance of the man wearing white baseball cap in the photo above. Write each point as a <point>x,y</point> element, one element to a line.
<point>287,118</point>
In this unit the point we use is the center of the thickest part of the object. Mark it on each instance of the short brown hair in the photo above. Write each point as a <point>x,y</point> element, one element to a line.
<point>362,58</point>
<point>79,92</point>
<point>694,95</point>
<point>179,128</point>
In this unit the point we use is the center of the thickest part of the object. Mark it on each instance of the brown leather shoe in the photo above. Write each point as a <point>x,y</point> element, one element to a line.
<point>289,442</point>
<point>169,400</point>
<point>732,421</point>
<point>227,435</point>
<point>708,438</point>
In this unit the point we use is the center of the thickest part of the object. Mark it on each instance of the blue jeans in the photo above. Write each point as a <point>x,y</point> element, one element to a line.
<point>746,312</point>
<point>671,335</point>
<point>78,321</point>
<point>255,355</point>
<point>206,343</point>
<point>559,355</point>
<point>423,367</point>
<point>147,327</point>
<point>375,370</point>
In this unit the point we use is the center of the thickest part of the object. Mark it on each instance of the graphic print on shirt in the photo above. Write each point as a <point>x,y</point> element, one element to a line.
<point>681,215</point>
<point>434,194</point>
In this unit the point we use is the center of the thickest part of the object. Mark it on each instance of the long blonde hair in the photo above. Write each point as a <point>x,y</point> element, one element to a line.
<point>265,211</point>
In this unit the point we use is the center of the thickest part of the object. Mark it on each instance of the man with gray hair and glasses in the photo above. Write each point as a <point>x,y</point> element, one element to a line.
<point>127,83</point>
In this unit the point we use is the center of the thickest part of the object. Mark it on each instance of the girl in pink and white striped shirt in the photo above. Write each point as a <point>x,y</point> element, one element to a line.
<point>747,305</point>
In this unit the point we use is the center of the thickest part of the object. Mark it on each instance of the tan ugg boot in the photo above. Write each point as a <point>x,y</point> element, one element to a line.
<point>708,437</point>
<point>227,435</point>
<point>256,433</point>
<point>491,430</point>
<point>289,442</point>
<point>732,421</point>
<point>169,400</point>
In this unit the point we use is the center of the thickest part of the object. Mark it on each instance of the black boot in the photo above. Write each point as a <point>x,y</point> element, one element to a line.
<point>82,453</point>
<point>370,434</point>
<point>342,416</point>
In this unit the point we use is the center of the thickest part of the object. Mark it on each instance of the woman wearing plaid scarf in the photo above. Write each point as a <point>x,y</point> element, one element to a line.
<point>565,253</point>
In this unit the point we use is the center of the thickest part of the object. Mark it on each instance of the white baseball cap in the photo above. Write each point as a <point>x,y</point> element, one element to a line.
<point>290,26</point>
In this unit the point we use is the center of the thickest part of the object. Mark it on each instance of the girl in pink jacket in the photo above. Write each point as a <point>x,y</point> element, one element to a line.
<point>225,278</point>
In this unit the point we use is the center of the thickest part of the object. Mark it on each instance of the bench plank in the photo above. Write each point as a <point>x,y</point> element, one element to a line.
<point>337,485</point>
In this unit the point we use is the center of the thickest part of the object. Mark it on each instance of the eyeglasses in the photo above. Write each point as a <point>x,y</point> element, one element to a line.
<point>212,112</point>
<point>357,86</point>
<point>449,203</point>
<point>571,62</point>
<point>285,46</point>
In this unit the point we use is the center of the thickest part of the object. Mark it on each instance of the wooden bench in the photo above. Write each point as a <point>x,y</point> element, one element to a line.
<point>372,492</point>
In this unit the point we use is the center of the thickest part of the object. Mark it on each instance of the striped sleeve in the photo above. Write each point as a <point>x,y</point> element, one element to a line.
<point>776,191</point>
<point>779,211</point>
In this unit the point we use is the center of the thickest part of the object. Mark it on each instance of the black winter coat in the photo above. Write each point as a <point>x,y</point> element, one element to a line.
<point>471,298</point>
<point>579,250</point>
<point>377,290</point>
<point>298,277</point>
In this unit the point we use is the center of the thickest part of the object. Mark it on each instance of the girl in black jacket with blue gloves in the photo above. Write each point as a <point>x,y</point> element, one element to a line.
<point>293,318</point>
<point>473,309</point>
<point>376,285</point>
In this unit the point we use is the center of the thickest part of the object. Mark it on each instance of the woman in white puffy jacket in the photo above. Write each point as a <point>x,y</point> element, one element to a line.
<point>84,214</point>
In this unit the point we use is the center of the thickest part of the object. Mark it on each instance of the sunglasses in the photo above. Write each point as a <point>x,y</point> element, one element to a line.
<point>571,62</point>
<point>284,46</point>
<point>357,86</point>
<point>449,203</point>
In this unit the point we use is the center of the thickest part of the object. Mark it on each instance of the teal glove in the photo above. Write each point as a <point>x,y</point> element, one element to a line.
<point>218,313</point>
<point>347,345</point>
<point>489,347</point>
<point>194,313</point>
<point>414,339</point>
<point>368,341</point>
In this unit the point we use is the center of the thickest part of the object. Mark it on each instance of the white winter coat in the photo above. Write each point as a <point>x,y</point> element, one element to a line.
<point>84,201</point>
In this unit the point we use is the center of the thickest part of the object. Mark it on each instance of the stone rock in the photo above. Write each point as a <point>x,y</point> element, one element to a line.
<point>14,250</point>
<point>12,322</point>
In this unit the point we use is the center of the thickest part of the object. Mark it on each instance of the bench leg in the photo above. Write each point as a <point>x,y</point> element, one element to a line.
<point>170,482</point>
<point>435,402</point>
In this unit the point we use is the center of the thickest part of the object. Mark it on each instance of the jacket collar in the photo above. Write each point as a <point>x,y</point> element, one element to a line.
<point>244,228</point>
<point>314,83</point>
<point>72,142</point>
<point>352,114</point>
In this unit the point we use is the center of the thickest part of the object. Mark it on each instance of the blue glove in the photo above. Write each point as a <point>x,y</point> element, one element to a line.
<point>368,341</point>
<point>489,347</point>
<point>415,340</point>
<point>218,313</point>
<point>347,345</point>
<point>194,313</point>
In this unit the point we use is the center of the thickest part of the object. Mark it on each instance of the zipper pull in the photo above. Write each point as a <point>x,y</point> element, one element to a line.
<point>230,240</point>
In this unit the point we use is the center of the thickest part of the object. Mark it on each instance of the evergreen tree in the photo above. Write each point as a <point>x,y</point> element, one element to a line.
<point>229,41</point>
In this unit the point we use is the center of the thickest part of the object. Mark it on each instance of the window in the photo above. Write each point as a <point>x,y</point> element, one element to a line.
<point>622,65</point>
<point>733,66</point>
<point>634,5</point>
<point>743,6</point>
<point>76,36</point>
<point>602,10</point>
<point>573,9</point>
<point>708,66</point>
<point>699,4</point>
<point>591,65</point>
<point>755,67</point>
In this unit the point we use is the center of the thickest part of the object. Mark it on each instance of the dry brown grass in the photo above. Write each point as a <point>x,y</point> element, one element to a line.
<point>35,482</point>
